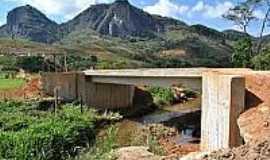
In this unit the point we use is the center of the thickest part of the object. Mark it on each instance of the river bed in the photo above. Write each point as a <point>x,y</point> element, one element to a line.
<point>173,126</point>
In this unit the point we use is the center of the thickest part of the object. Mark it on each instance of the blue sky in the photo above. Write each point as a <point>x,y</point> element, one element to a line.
<point>206,12</point>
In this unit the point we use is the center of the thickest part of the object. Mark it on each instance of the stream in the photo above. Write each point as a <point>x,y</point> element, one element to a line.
<point>178,124</point>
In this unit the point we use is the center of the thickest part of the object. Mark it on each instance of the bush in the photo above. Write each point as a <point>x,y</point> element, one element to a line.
<point>262,61</point>
<point>26,133</point>
<point>162,95</point>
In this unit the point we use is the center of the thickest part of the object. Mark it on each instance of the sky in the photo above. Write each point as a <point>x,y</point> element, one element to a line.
<point>205,12</point>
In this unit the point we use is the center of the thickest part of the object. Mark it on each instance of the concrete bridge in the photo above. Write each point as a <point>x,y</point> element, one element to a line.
<point>223,94</point>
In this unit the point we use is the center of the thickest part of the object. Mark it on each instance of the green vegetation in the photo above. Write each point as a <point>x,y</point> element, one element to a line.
<point>104,147</point>
<point>6,84</point>
<point>262,61</point>
<point>242,53</point>
<point>27,133</point>
<point>154,145</point>
<point>162,95</point>
<point>179,47</point>
<point>30,64</point>
<point>251,52</point>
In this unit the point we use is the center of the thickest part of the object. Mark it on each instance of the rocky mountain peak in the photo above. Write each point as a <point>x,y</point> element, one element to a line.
<point>28,22</point>
<point>119,19</point>
<point>122,1</point>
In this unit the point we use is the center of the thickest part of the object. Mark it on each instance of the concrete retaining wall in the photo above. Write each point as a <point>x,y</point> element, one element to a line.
<point>108,96</point>
<point>67,83</point>
<point>74,86</point>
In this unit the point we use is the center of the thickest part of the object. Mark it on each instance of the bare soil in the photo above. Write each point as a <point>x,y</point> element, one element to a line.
<point>32,89</point>
<point>253,151</point>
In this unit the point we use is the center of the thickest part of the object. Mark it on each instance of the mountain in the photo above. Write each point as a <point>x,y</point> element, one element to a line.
<point>29,23</point>
<point>121,36</point>
<point>236,35</point>
<point>3,31</point>
<point>119,19</point>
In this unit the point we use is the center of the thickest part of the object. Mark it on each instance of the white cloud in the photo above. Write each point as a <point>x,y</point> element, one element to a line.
<point>212,11</point>
<point>64,8</point>
<point>198,7</point>
<point>237,28</point>
<point>167,8</point>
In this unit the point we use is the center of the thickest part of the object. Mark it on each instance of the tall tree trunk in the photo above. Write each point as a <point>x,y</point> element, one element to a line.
<point>261,40</point>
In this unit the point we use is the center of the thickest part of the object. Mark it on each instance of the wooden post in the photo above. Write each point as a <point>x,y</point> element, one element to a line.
<point>5,96</point>
<point>24,96</point>
<point>43,64</point>
<point>55,99</point>
<point>54,61</point>
<point>65,63</point>
<point>81,103</point>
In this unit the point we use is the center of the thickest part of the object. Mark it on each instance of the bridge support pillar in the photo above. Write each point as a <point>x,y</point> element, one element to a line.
<point>222,102</point>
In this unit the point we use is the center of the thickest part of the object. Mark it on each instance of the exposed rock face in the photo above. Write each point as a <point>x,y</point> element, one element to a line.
<point>29,23</point>
<point>119,19</point>
<point>3,31</point>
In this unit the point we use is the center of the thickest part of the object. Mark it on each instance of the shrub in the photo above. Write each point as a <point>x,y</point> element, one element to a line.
<point>262,61</point>
<point>29,134</point>
<point>104,148</point>
<point>162,95</point>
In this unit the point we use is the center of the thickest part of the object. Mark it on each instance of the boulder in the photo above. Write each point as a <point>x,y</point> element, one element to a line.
<point>136,153</point>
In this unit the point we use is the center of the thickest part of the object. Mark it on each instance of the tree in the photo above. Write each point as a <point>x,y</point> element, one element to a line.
<point>264,21</point>
<point>242,53</point>
<point>244,13</point>
<point>262,61</point>
<point>241,15</point>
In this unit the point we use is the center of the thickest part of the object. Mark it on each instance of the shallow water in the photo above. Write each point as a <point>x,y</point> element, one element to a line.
<point>178,116</point>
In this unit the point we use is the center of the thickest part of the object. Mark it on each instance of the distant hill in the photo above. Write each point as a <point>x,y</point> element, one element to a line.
<point>121,33</point>
<point>235,35</point>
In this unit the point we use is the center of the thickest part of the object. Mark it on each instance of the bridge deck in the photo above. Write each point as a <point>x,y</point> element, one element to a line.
<point>187,77</point>
<point>164,72</point>
<point>180,72</point>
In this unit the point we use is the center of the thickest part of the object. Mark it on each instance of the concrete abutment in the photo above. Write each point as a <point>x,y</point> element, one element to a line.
<point>223,100</point>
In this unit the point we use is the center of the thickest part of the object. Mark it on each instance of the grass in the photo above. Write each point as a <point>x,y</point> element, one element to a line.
<point>6,84</point>
<point>28,133</point>
<point>104,147</point>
